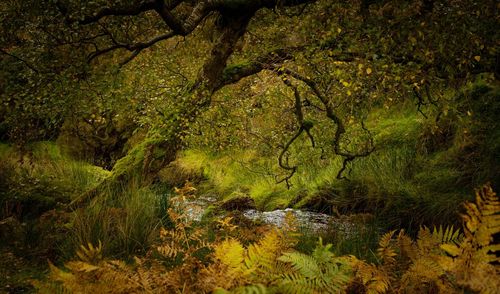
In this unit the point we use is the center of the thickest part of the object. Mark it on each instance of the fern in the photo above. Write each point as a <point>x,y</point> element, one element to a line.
<point>440,260</point>
<point>90,254</point>
<point>320,272</point>
<point>474,262</point>
<point>386,251</point>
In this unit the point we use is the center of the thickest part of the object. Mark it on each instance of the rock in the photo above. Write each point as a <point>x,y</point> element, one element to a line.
<point>317,222</point>
<point>240,202</point>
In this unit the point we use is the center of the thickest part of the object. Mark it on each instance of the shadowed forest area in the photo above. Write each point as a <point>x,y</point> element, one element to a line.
<point>249,146</point>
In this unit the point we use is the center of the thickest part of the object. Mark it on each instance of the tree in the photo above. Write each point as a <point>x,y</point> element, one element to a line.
<point>357,51</point>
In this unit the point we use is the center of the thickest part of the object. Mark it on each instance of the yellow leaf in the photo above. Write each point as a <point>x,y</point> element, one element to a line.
<point>451,249</point>
<point>230,252</point>
<point>368,71</point>
<point>477,58</point>
<point>360,66</point>
<point>339,30</point>
<point>349,93</point>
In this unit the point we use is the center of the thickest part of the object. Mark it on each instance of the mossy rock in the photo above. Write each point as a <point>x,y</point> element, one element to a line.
<point>322,202</point>
<point>238,202</point>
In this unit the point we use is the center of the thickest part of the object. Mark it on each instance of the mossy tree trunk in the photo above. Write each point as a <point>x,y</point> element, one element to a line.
<point>145,160</point>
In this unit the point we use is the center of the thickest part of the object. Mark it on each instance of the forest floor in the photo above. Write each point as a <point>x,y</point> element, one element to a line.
<point>16,272</point>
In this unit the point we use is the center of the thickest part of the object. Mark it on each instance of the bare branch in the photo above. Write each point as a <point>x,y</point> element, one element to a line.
<point>134,48</point>
<point>137,48</point>
<point>117,11</point>
<point>302,127</point>
<point>339,132</point>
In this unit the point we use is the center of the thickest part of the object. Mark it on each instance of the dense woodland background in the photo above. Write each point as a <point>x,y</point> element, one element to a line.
<point>118,119</point>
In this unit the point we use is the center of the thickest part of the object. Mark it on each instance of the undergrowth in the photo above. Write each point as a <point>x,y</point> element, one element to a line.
<point>439,260</point>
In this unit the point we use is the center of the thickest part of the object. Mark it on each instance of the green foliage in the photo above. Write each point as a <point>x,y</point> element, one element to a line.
<point>320,272</point>
<point>364,59</point>
<point>417,176</point>
<point>36,179</point>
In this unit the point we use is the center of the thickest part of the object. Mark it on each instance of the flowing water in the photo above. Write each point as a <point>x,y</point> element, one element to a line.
<point>310,220</point>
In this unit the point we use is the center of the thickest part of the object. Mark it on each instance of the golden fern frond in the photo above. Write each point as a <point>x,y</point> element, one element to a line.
<point>385,250</point>
<point>429,242</point>
<point>187,189</point>
<point>262,255</point>
<point>81,266</point>
<point>373,279</point>
<point>446,235</point>
<point>225,224</point>
<point>170,250</point>
<point>59,275</point>
<point>407,246</point>
<point>424,269</point>
<point>426,242</point>
<point>230,253</point>
<point>482,219</point>
<point>90,253</point>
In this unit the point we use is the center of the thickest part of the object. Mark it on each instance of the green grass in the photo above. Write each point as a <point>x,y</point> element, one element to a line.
<point>42,177</point>
<point>420,173</point>
<point>126,221</point>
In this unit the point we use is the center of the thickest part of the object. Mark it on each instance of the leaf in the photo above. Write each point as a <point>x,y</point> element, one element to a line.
<point>477,58</point>
<point>451,249</point>
<point>368,71</point>
<point>230,252</point>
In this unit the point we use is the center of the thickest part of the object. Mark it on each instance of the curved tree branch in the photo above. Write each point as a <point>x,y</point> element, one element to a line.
<point>117,11</point>
<point>178,27</point>
<point>330,113</point>
<point>234,73</point>
<point>302,127</point>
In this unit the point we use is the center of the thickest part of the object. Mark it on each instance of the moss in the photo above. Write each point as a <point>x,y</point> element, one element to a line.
<point>5,150</point>
<point>131,164</point>
<point>46,178</point>
<point>234,69</point>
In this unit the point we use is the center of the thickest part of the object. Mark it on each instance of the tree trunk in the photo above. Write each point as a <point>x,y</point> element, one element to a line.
<point>145,160</point>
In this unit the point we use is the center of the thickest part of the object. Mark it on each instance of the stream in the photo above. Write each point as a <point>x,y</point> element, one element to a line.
<point>308,220</point>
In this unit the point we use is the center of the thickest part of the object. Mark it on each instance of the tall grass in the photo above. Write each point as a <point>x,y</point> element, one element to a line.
<point>126,221</point>
<point>40,177</point>
<point>403,185</point>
